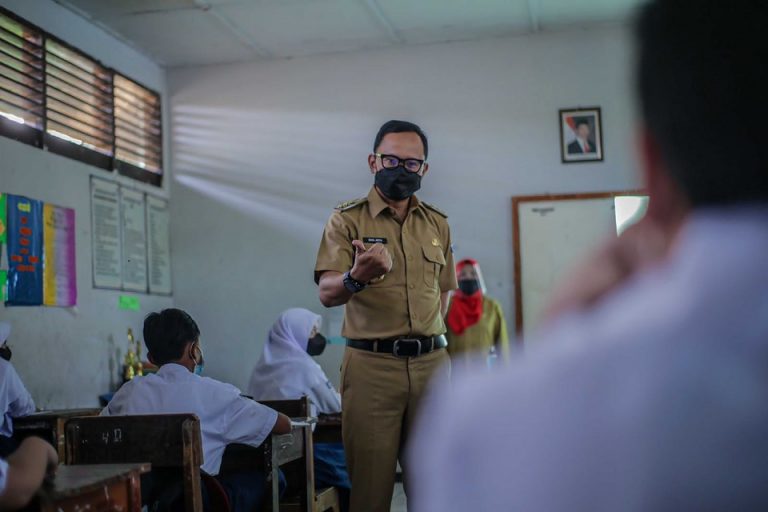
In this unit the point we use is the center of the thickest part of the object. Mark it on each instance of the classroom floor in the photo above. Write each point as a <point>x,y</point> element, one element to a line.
<point>398,500</point>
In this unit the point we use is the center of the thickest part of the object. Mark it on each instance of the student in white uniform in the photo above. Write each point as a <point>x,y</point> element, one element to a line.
<point>15,400</point>
<point>649,390</point>
<point>286,370</point>
<point>173,343</point>
<point>22,473</point>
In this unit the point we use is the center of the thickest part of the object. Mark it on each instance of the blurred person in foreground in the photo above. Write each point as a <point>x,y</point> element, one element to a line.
<point>647,389</point>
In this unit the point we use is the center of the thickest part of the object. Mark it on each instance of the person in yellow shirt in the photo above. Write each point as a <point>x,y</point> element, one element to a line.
<point>475,321</point>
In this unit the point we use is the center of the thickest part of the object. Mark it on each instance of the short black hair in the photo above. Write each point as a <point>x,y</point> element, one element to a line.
<point>702,78</point>
<point>395,126</point>
<point>582,121</point>
<point>167,333</point>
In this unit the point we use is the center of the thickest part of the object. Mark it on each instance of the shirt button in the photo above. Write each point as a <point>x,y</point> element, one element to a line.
<point>410,286</point>
<point>410,257</point>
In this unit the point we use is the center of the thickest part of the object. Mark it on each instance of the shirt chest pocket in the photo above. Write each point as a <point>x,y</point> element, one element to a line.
<point>434,260</point>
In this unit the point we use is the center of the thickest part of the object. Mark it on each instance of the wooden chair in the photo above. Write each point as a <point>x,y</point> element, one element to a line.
<point>49,425</point>
<point>164,440</point>
<point>301,475</point>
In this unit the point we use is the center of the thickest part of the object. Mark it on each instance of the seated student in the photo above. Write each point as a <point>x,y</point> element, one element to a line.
<point>23,472</point>
<point>286,370</point>
<point>15,400</point>
<point>173,343</point>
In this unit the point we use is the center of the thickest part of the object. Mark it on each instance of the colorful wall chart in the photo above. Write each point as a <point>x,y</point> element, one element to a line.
<point>41,253</point>
<point>25,251</point>
<point>3,224</point>
<point>59,272</point>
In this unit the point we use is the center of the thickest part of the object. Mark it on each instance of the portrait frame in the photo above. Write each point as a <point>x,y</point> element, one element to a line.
<point>573,147</point>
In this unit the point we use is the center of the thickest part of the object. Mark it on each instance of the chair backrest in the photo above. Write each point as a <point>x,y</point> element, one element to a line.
<point>49,425</point>
<point>164,440</point>
<point>298,408</point>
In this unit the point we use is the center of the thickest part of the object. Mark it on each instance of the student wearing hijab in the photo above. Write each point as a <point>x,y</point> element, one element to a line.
<point>475,321</point>
<point>286,371</point>
<point>15,400</point>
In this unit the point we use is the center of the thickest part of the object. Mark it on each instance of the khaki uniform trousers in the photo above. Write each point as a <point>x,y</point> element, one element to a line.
<point>380,397</point>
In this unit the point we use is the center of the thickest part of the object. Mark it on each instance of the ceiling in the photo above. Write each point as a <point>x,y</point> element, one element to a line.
<point>199,32</point>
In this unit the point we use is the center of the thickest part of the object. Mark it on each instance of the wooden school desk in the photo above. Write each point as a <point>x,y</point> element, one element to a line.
<point>95,488</point>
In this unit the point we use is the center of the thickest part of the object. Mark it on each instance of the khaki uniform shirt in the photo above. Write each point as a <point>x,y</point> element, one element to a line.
<point>406,301</point>
<point>489,331</point>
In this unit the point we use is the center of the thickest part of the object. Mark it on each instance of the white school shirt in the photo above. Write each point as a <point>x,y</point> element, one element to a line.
<point>655,399</point>
<point>286,372</point>
<point>15,400</point>
<point>225,416</point>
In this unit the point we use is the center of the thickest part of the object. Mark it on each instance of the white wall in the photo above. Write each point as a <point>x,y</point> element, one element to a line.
<point>66,357</point>
<point>264,151</point>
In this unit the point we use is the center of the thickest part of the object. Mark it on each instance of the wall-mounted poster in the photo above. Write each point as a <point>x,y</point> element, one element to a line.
<point>3,229</point>
<point>581,135</point>
<point>59,272</point>
<point>25,251</point>
<point>134,238</point>
<point>105,234</point>
<point>158,245</point>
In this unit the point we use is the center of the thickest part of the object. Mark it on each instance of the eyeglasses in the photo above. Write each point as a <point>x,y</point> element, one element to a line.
<point>409,164</point>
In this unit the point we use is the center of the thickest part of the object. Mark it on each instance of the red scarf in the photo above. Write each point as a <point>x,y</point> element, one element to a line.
<point>465,310</point>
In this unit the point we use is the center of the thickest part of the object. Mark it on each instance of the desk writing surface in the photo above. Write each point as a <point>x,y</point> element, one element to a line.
<point>62,413</point>
<point>77,479</point>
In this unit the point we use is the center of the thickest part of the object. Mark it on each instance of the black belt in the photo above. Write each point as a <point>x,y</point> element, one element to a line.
<point>402,347</point>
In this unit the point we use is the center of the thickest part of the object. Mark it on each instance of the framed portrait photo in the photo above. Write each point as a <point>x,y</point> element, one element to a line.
<point>581,135</point>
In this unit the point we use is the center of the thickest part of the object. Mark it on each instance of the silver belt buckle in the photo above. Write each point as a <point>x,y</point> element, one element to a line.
<point>396,346</point>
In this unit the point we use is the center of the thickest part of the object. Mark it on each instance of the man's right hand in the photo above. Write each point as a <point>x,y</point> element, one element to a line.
<point>370,263</point>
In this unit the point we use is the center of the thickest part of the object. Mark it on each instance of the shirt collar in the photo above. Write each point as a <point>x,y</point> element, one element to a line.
<point>377,205</point>
<point>172,369</point>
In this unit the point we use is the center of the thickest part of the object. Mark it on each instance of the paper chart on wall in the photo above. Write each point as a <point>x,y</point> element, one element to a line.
<point>134,238</point>
<point>158,245</point>
<point>59,266</point>
<point>25,251</point>
<point>106,246</point>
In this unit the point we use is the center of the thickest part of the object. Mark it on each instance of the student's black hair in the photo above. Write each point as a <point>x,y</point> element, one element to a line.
<point>395,126</point>
<point>167,333</point>
<point>702,80</point>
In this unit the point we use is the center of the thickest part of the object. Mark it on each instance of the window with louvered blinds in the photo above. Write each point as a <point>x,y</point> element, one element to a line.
<point>78,101</point>
<point>21,80</point>
<point>138,129</point>
<point>56,97</point>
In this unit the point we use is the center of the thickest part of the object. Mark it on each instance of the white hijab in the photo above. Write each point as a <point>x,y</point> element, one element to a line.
<point>285,370</point>
<point>5,332</point>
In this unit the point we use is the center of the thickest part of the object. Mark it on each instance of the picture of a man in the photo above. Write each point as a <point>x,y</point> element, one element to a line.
<point>583,144</point>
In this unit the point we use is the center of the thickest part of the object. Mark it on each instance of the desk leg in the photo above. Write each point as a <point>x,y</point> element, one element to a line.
<point>275,471</point>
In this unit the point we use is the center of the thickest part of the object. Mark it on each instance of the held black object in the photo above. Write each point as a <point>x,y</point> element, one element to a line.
<point>351,284</point>
<point>397,183</point>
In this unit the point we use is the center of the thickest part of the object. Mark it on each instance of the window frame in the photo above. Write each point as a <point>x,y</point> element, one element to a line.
<point>126,168</point>
<point>40,138</point>
<point>22,132</point>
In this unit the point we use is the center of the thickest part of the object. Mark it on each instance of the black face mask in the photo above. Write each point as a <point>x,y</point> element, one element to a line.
<point>5,352</point>
<point>397,183</point>
<point>316,345</point>
<point>469,286</point>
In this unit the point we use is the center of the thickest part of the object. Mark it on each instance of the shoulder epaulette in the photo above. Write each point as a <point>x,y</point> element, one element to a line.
<point>348,205</point>
<point>435,209</point>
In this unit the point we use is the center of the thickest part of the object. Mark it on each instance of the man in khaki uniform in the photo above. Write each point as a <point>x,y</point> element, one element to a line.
<point>388,258</point>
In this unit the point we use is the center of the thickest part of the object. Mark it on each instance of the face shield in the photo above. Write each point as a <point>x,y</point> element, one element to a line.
<point>470,277</point>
